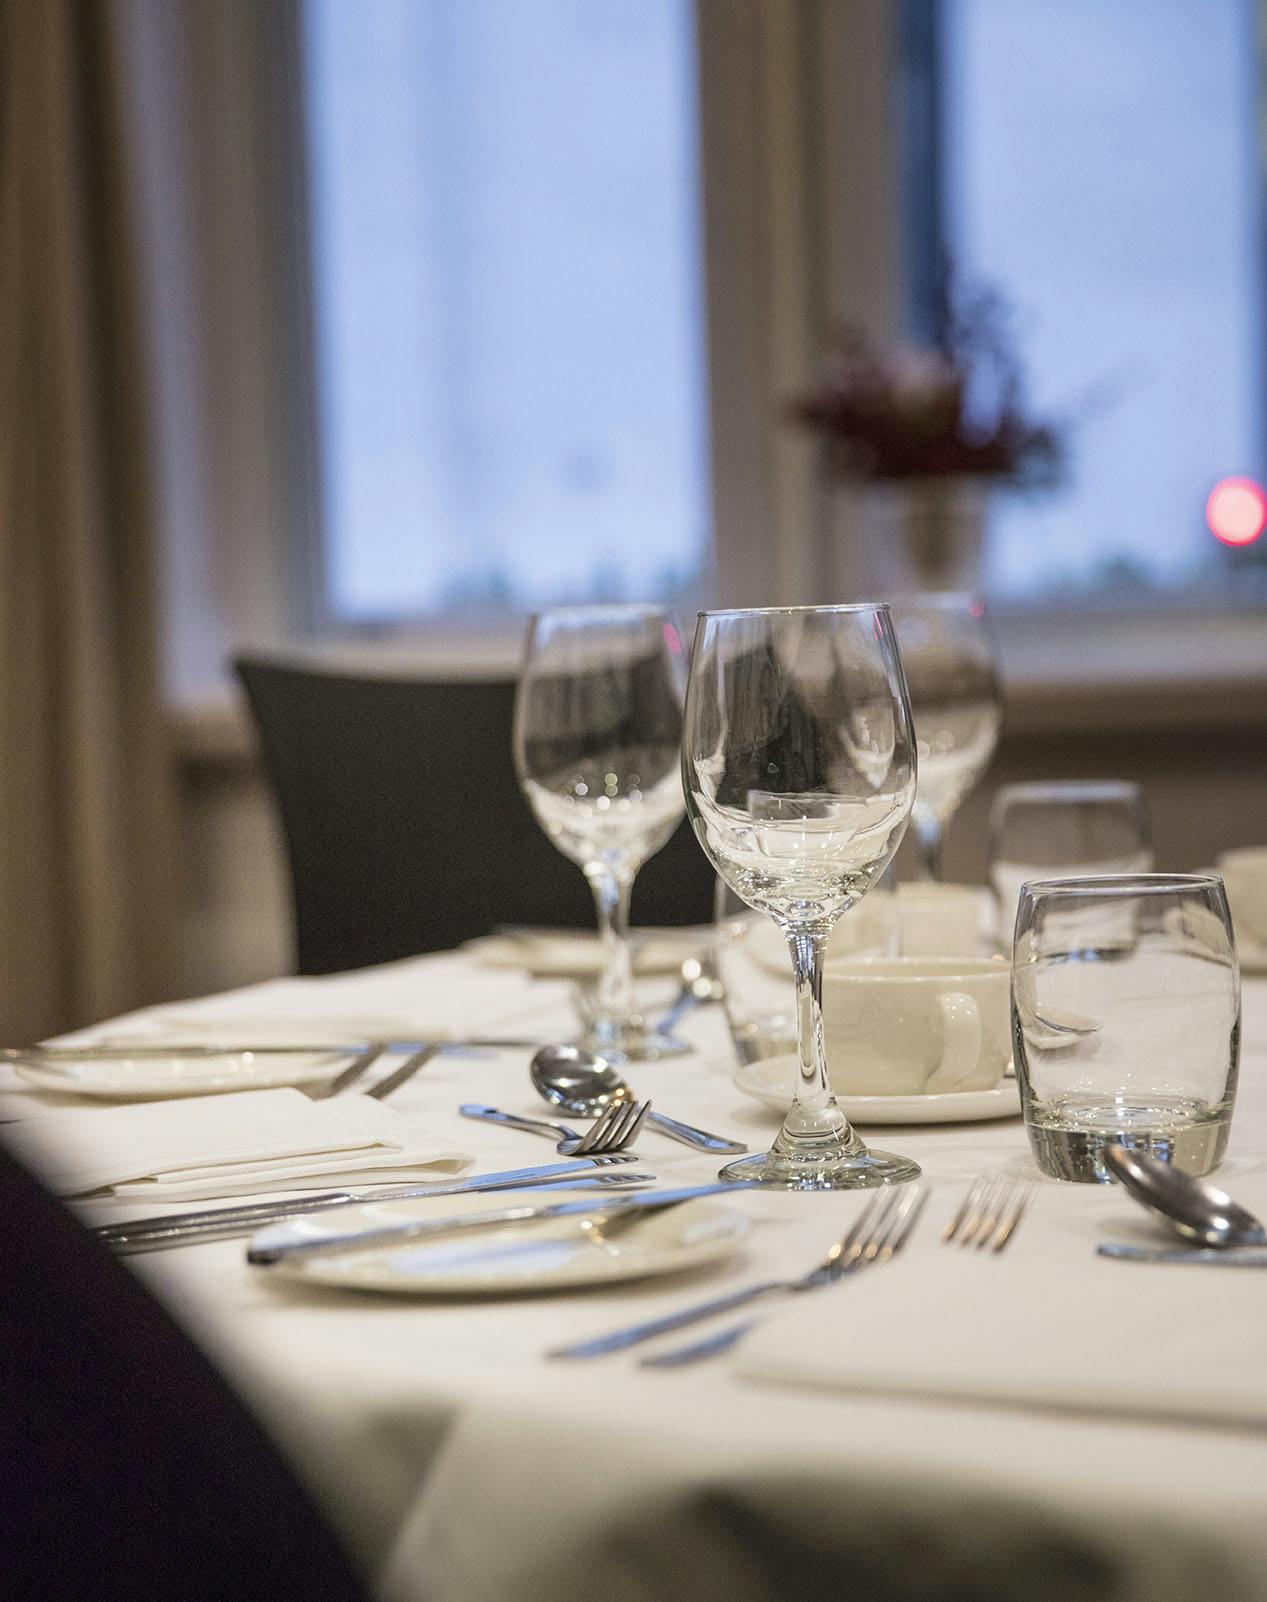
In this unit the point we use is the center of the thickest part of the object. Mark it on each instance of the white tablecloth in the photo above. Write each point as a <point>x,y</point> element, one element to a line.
<point>464,1468</point>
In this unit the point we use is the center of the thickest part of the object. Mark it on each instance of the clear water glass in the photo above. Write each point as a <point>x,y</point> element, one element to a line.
<point>598,727</point>
<point>1125,1020</point>
<point>1064,829</point>
<point>957,702</point>
<point>798,760</point>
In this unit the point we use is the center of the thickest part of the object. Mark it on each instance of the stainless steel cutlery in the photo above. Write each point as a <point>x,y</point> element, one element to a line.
<point>1206,1256</point>
<point>267,1249</point>
<point>223,1223</point>
<point>879,1230</point>
<point>989,1214</point>
<point>615,1129</point>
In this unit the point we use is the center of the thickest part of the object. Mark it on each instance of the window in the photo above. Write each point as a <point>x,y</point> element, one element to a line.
<point>510,352</point>
<point>1100,164</point>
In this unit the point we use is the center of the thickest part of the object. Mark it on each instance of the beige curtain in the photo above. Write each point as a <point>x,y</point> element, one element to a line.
<point>87,899</point>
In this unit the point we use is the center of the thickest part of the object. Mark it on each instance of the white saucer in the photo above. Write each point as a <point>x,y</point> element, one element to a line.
<point>515,1259</point>
<point>770,1081</point>
<point>151,1078</point>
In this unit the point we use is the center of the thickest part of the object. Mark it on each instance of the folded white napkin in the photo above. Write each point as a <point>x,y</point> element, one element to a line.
<point>1028,1330</point>
<point>421,998</point>
<point>232,1145</point>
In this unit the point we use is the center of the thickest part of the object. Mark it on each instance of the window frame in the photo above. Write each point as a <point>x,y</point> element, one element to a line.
<point>800,161</point>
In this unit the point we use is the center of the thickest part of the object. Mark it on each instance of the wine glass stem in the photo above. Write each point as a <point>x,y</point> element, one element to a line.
<point>928,832</point>
<point>612,891</point>
<point>808,951</point>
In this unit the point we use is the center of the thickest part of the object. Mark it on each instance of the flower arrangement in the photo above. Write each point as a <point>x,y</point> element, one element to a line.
<point>955,410</point>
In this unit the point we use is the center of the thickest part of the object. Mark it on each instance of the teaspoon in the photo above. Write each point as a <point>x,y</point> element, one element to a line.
<point>583,1084</point>
<point>1198,1211</point>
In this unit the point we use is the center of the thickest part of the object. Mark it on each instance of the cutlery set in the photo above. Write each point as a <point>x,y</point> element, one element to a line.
<point>1218,1231</point>
<point>222,1223</point>
<point>279,1246</point>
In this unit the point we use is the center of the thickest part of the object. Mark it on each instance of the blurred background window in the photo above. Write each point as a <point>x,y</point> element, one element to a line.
<point>509,327</point>
<point>1100,163</point>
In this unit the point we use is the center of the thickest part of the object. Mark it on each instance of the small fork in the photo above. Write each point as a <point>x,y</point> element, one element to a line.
<point>615,1129</point>
<point>989,1214</point>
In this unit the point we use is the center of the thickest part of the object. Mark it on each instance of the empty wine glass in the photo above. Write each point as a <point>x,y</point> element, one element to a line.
<point>957,704</point>
<point>598,727</point>
<point>798,761</point>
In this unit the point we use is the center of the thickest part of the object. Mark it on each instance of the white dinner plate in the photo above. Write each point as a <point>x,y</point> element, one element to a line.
<point>152,1078</point>
<point>770,1081</point>
<point>513,1259</point>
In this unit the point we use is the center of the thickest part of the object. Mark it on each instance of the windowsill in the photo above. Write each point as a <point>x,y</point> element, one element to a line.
<point>1065,674</point>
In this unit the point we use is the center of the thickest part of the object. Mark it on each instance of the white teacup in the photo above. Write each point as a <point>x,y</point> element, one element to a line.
<point>1245,879</point>
<point>911,1026</point>
<point>938,920</point>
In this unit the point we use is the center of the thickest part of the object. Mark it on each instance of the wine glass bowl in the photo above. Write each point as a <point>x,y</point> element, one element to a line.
<point>798,763</point>
<point>956,702</point>
<point>598,725</point>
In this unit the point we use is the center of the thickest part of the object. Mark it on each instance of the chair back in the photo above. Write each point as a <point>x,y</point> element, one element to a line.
<point>405,827</point>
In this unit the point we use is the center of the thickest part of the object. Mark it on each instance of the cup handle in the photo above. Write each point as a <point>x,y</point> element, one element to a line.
<point>961,1041</point>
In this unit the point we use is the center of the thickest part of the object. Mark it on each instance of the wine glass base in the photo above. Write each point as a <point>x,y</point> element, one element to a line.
<point>634,1045</point>
<point>859,1170</point>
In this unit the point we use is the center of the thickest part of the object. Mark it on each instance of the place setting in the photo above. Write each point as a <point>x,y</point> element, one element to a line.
<point>802,745</point>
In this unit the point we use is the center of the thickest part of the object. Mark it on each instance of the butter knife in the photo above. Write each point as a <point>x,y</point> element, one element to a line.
<point>222,1223</point>
<point>279,1245</point>
<point>1222,1257</point>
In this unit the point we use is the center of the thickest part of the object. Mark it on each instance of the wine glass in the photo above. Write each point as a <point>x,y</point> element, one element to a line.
<point>957,704</point>
<point>598,728</point>
<point>798,762</point>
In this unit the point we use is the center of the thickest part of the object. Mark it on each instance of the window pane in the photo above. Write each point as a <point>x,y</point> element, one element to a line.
<point>507,260</point>
<point>1101,167</point>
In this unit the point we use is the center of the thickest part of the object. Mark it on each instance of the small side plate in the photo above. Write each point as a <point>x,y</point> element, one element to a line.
<point>202,1073</point>
<point>770,1081</point>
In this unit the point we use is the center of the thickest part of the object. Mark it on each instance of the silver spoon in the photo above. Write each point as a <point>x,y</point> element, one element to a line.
<point>582,1084</point>
<point>1194,1209</point>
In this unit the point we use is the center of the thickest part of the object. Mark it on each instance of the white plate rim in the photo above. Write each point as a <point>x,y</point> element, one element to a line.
<point>333,1272</point>
<point>152,1084</point>
<point>947,1107</point>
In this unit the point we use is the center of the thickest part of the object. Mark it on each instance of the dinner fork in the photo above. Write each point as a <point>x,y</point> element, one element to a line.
<point>615,1129</point>
<point>989,1214</point>
<point>881,1229</point>
<point>891,1222</point>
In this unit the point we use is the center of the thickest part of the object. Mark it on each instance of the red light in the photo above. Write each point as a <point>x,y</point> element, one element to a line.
<point>1236,511</point>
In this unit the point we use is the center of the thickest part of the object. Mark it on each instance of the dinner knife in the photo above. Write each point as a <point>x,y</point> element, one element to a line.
<point>1222,1256</point>
<point>271,1247</point>
<point>119,1050</point>
<point>221,1223</point>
